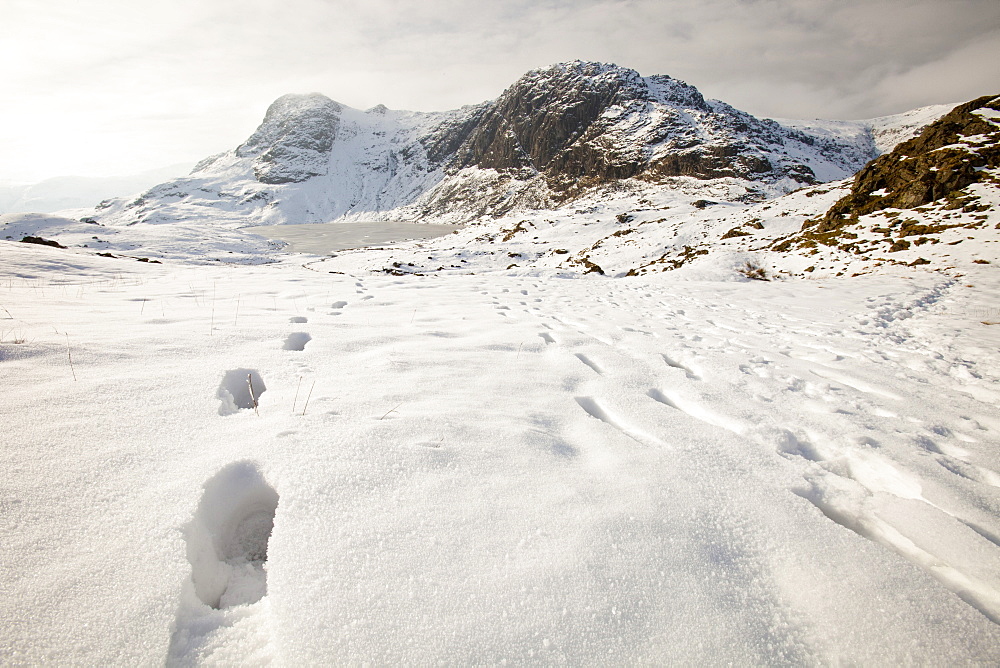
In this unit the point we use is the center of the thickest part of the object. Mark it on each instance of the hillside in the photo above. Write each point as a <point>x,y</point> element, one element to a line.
<point>931,202</point>
<point>582,168</point>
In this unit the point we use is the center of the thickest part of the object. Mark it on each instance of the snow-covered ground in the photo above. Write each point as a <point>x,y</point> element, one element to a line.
<point>478,468</point>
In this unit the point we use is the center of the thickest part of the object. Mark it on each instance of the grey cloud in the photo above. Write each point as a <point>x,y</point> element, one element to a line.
<point>209,69</point>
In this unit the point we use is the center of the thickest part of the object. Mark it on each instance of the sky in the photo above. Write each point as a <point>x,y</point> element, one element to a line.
<point>117,87</point>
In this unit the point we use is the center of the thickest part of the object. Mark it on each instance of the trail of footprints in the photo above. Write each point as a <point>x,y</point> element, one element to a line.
<point>241,388</point>
<point>854,484</point>
<point>844,482</point>
<point>597,408</point>
<point>227,544</point>
<point>594,406</point>
<point>838,478</point>
<point>227,538</point>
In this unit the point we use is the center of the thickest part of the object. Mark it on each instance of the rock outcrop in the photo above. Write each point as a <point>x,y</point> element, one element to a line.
<point>946,157</point>
<point>583,124</point>
<point>294,141</point>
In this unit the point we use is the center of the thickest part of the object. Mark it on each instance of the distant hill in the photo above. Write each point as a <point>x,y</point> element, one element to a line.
<point>74,192</point>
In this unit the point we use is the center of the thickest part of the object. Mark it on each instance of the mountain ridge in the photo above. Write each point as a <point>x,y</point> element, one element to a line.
<point>552,136</point>
<point>578,168</point>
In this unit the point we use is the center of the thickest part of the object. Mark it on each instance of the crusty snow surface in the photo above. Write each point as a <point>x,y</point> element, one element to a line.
<point>489,468</point>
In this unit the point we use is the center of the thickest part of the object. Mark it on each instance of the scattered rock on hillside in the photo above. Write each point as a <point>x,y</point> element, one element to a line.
<point>42,242</point>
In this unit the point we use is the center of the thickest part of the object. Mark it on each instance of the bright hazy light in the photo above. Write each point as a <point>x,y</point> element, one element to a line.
<point>104,87</point>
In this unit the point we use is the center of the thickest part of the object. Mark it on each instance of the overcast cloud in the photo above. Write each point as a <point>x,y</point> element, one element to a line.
<point>97,87</point>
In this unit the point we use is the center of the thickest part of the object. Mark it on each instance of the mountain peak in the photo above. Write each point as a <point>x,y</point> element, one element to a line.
<point>293,142</point>
<point>657,87</point>
<point>588,68</point>
<point>577,74</point>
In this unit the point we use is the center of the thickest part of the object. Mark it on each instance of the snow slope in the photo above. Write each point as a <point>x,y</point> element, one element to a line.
<point>569,434</point>
<point>465,468</point>
<point>883,133</point>
<point>639,230</point>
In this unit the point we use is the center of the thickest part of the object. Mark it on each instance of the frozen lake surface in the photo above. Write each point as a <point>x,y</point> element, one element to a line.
<point>323,238</point>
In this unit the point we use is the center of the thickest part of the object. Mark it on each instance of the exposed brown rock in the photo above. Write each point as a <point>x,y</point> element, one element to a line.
<point>41,242</point>
<point>942,160</point>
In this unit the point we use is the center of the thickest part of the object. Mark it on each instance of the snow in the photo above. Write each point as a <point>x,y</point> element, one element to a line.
<point>483,465</point>
<point>360,179</point>
<point>578,434</point>
<point>64,192</point>
<point>881,134</point>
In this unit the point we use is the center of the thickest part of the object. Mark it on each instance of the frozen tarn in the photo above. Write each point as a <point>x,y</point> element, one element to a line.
<point>323,239</point>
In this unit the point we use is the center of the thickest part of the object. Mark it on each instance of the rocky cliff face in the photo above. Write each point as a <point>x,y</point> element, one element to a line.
<point>915,204</point>
<point>556,134</point>
<point>294,141</point>
<point>583,124</point>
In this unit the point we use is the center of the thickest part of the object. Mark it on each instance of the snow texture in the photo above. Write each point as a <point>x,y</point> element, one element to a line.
<point>562,434</point>
<point>479,468</point>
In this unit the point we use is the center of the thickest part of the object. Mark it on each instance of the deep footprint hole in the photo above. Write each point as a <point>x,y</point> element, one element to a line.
<point>296,341</point>
<point>228,537</point>
<point>235,390</point>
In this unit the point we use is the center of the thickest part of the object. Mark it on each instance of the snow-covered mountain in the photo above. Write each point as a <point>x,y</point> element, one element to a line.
<point>554,135</point>
<point>576,168</point>
<point>931,202</point>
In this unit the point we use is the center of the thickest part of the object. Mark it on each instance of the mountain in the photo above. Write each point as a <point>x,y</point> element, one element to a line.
<point>931,202</point>
<point>951,154</point>
<point>555,135</point>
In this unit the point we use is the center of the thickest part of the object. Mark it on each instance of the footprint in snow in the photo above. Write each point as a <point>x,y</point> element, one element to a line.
<point>677,365</point>
<point>298,319</point>
<point>227,538</point>
<point>227,546</point>
<point>596,409</point>
<point>296,341</point>
<point>590,363</point>
<point>240,389</point>
<point>697,411</point>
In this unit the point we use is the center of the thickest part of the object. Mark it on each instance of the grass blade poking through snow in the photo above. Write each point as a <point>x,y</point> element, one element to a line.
<point>253,397</point>
<point>308,396</point>
<point>69,354</point>
<point>296,399</point>
<point>391,410</point>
